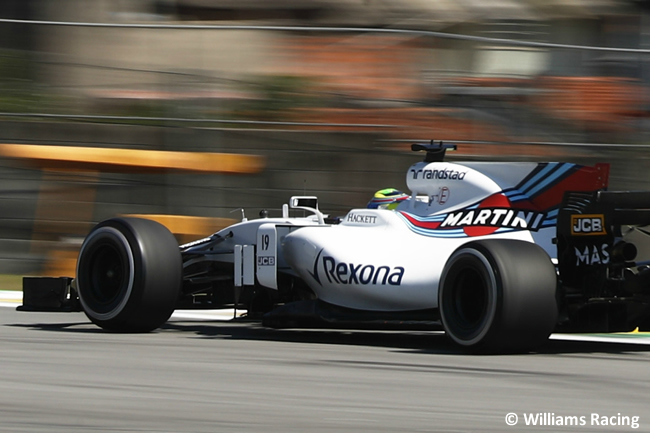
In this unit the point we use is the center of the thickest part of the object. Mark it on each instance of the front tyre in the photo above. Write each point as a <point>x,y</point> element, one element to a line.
<point>129,275</point>
<point>498,295</point>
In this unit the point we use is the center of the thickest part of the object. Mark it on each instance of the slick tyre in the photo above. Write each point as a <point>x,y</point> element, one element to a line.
<point>129,275</point>
<point>498,296</point>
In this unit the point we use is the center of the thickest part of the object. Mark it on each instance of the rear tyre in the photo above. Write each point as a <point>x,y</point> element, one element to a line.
<point>129,275</point>
<point>498,295</point>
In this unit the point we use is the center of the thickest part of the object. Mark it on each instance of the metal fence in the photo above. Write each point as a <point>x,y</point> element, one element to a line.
<point>240,75</point>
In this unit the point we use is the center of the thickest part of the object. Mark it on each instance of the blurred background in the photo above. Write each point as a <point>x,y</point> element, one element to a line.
<point>320,97</point>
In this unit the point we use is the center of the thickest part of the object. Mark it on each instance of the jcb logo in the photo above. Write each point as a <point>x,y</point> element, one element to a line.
<point>588,225</point>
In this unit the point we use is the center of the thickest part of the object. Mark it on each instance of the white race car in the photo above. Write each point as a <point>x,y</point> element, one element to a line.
<point>498,255</point>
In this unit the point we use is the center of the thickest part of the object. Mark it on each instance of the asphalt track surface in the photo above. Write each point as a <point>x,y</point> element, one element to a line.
<point>59,373</point>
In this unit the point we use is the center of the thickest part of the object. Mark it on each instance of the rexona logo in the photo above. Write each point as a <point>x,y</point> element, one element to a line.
<point>355,273</point>
<point>438,174</point>
<point>588,225</point>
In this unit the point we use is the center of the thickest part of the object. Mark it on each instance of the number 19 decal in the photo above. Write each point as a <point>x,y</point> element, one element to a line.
<point>265,241</point>
<point>266,256</point>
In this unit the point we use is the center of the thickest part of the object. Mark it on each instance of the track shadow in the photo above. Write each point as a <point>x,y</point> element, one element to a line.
<point>424,342</point>
<point>556,347</point>
<point>73,327</point>
<point>406,340</point>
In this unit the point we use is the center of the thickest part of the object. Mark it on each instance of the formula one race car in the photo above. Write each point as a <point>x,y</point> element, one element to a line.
<point>498,255</point>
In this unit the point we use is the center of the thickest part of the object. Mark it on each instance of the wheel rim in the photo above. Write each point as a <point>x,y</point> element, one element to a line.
<point>105,273</point>
<point>470,299</point>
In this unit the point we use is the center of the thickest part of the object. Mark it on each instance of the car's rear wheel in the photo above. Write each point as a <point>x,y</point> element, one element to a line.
<point>129,275</point>
<point>498,295</point>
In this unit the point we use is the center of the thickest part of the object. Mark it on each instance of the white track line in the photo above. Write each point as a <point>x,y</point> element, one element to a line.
<point>10,298</point>
<point>624,337</point>
<point>203,315</point>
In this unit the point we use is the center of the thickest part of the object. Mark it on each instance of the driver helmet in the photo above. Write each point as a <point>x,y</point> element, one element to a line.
<point>388,198</point>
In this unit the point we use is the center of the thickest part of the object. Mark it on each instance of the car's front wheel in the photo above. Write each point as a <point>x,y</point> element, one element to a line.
<point>129,275</point>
